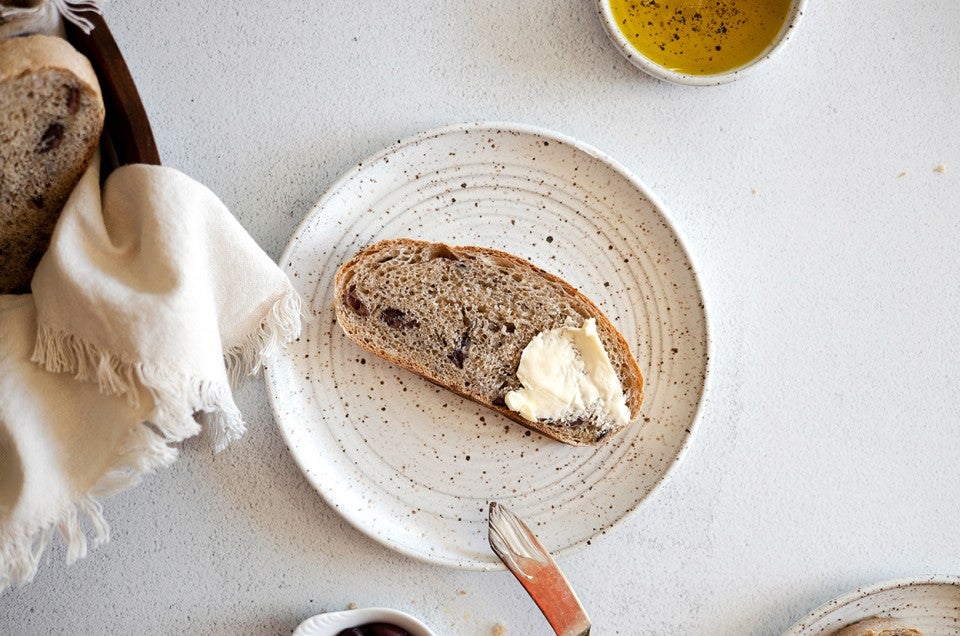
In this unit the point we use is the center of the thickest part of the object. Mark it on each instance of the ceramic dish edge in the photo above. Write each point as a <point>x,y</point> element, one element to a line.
<point>824,610</point>
<point>332,623</point>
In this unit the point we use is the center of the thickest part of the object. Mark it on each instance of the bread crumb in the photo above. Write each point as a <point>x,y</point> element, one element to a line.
<point>754,191</point>
<point>462,592</point>
<point>941,168</point>
<point>902,174</point>
<point>499,630</point>
<point>352,606</point>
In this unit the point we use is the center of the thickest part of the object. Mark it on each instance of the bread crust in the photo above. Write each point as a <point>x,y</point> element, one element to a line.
<point>629,372</point>
<point>37,52</point>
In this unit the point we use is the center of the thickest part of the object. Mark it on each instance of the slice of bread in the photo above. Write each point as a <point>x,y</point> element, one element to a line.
<point>462,316</point>
<point>879,627</point>
<point>51,116</point>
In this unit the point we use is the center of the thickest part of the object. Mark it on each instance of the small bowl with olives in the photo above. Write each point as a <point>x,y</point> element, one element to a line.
<point>368,621</point>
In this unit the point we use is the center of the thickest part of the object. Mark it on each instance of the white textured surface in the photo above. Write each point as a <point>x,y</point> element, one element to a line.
<point>826,458</point>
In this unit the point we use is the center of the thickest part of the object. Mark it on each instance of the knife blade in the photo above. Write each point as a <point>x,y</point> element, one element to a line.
<point>529,561</point>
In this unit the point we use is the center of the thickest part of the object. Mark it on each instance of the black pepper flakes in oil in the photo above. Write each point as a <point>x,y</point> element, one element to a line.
<point>700,37</point>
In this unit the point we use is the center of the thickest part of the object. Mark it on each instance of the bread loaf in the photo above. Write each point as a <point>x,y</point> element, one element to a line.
<point>462,316</point>
<point>51,117</point>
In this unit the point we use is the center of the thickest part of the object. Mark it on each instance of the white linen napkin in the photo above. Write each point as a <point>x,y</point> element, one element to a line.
<point>46,16</point>
<point>149,304</point>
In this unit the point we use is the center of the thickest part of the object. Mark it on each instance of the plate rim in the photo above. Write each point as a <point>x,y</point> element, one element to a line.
<point>681,241</point>
<point>823,610</point>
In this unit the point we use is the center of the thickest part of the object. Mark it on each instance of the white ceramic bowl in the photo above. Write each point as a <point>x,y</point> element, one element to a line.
<point>644,63</point>
<point>930,604</point>
<point>333,623</point>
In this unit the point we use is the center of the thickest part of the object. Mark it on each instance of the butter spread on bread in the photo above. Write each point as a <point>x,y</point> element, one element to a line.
<point>566,373</point>
<point>462,317</point>
<point>51,116</point>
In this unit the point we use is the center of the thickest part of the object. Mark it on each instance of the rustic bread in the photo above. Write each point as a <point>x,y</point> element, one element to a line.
<point>879,627</point>
<point>462,316</point>
<point>51,116</point>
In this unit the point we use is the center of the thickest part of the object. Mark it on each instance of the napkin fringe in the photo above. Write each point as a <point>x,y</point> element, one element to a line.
<point>144,452</point>
<point>280,325</point>
<point>180,402</point>
<point>178,397</point>
<point>61,352</point>
<point>73,11</point>
<point>210,403</point>
<point>47,16</point>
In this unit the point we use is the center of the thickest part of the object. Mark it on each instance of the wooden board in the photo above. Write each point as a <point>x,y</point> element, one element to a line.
<point>127,136</point>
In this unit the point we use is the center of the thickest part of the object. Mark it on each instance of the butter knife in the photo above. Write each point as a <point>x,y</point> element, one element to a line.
<point>525,556</point>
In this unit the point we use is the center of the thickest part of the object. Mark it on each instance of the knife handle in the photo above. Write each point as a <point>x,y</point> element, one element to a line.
<point>529,561</point>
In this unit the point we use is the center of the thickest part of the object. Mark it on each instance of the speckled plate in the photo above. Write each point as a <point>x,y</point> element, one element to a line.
<point>414,466</point>
<point>930,604</point>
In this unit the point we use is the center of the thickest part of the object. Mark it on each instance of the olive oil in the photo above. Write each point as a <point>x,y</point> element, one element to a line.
<point>700,37</point>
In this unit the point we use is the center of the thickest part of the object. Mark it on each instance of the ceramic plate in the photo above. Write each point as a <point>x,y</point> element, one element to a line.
<point>414,466</point>
<point>930,604</point>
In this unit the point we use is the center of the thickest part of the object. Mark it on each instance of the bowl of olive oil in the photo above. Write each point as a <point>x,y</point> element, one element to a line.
<point>699,42</point>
